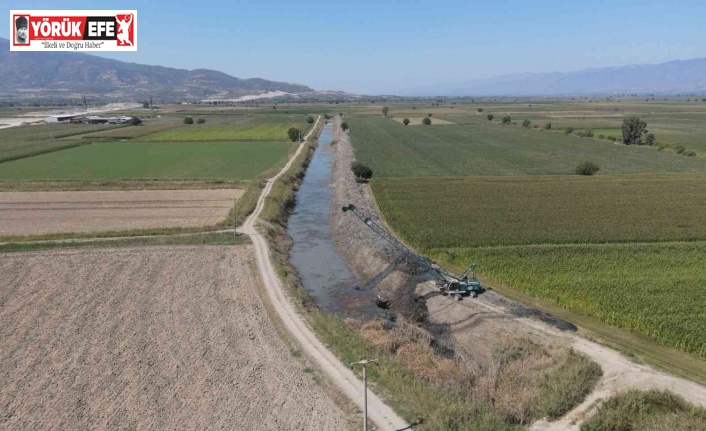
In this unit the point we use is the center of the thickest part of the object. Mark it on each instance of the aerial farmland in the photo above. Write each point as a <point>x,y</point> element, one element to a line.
<point>622,246</point>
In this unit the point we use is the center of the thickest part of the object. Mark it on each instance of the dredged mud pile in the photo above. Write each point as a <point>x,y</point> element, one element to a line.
<point>370,257</point>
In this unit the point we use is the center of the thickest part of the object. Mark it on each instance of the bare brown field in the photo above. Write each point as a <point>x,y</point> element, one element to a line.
<point>147,338</point>
<point>39,213</point>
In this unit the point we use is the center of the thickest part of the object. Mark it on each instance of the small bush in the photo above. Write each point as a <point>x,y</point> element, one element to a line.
<point>548,126</point>
<point>650,139</point>
<point>344,126</point>
<point>201,121</point>
<point>426,121</point>
<point>689,153</point>
<point>490,117</point>
<point>612,138</point>
<point>588,133</point>
<point>405,121</point>
<point>480,109</point>
<point>601,137</point>
<point>587,168</point>
<point>134,121</point>
<point>507,119</point>
<point>361,171</point>
<point>569,130</point>
<point>188,120</point>
<point>680,149</point>
<point>310,119</point>
<point>526,124</point>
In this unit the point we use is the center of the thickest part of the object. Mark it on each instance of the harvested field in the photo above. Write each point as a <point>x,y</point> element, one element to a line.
<point>39,213</point>
<point>417,121</point>
<point>147,338</point>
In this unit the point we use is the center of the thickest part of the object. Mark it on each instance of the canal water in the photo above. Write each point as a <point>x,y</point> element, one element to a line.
<point>321,269</point>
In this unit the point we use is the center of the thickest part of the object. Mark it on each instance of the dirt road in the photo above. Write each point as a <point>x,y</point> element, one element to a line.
<point>39,213</point>
<point>169,337</point>
<point>341,375</point>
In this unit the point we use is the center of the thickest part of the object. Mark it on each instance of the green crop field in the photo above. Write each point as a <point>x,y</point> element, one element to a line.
<point>471,211</point>
<point>155,160</point>
<point>25,141</point>
<point>235,128</point>
<point>656,289</point>
<point>131,132</point>
<point>481,149</point>
<point>625,247</point>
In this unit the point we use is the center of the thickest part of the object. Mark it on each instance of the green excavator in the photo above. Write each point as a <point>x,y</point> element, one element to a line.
<point>449,284</point>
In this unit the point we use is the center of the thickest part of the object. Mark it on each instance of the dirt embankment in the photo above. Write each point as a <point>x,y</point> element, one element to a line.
<point>147,338</point>
<point>372,260</point>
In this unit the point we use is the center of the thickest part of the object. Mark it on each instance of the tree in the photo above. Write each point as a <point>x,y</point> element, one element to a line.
<point>569,130</point>
<point>548,126</point>
<point>507,119</point>
<point>310,119</point>
<point>200,121</point>
<point>633,128</point>
<point>650,139</point>
<point>426,121</point>
<point>146,104</point>
<point>134,121</point>
<point>385,110</point>
<point>294,134</point>
<point>188,120</point>
<point>405,121</point>
<point>526,123</point>
<point>361,171</point>
<point>344,126</point>
<point>587,168</point>
<point>490,117</point>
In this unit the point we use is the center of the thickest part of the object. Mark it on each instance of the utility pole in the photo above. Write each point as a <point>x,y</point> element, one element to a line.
<point>365,363</point>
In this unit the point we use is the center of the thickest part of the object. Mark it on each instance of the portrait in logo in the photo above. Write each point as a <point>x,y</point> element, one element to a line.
<point>124,29</point>
<point>22,30</point>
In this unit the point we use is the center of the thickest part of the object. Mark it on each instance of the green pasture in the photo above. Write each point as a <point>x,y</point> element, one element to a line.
<point>151,160</point>
<point>656,289</point>
<point>482,149</point>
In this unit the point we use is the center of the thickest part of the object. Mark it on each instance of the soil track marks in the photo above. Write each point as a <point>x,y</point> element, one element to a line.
<point>39,213</point>
<point>147,338</point>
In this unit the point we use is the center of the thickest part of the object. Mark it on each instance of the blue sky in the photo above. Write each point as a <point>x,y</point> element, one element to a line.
<point>377,47</point>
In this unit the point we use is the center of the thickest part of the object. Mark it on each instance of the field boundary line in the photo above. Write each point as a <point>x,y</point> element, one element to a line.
<point>341,375</point>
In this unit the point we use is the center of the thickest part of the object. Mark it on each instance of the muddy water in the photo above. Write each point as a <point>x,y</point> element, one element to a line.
<point>323,272</point>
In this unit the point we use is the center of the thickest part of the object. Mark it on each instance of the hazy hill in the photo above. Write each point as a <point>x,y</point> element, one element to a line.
<point>41,74</point>
<point>679,76</point>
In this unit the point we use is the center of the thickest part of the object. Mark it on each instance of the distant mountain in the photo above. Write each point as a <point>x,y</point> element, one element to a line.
<point>63,74</point>
<point>687,76</point>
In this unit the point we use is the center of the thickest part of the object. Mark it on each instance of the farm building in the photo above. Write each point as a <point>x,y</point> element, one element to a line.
<point>59,118</point>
